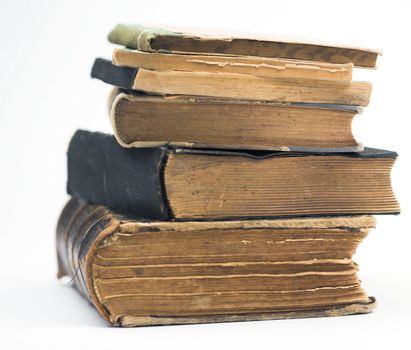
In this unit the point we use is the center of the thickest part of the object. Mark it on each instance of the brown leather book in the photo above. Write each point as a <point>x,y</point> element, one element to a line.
<point>138,272</point>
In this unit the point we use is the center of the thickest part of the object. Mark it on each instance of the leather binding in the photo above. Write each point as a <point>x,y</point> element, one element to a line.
<point>130,180</point>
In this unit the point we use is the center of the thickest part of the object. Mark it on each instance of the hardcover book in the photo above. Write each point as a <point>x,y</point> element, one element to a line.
<point>140,120</point>
<point>235,86</point>
<point>183,184</point>
<point>257,66</point>
<point>160,40</point>
<point>138,272</point>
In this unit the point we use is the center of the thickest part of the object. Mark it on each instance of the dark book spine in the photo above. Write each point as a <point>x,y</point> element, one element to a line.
<point>127,179</point>
<point>118,76</point>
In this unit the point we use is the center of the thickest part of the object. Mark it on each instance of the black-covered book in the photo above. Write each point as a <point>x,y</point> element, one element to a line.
<point>234,86</point>
<point>176,183</point>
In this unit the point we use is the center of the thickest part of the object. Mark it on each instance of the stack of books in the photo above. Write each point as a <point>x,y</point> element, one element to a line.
<point>233,188</point>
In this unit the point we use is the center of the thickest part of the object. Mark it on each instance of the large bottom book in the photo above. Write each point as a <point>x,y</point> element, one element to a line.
<point>138,273</point>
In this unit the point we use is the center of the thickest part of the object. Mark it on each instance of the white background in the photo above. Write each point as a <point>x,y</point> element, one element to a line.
<point>47,49</point>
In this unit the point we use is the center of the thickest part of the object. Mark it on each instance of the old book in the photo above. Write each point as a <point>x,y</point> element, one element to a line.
<point>159,40</point>
<point>149,121</point>
<point>229,85</point>
<point>257,66</point>
<point>177,183</point>
<point>139,273</point>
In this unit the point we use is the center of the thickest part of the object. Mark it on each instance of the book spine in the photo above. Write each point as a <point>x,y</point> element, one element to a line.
<point>137,37</point>
<point>129,180</point>
<point>104,70</point>
<point>80,229</point>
